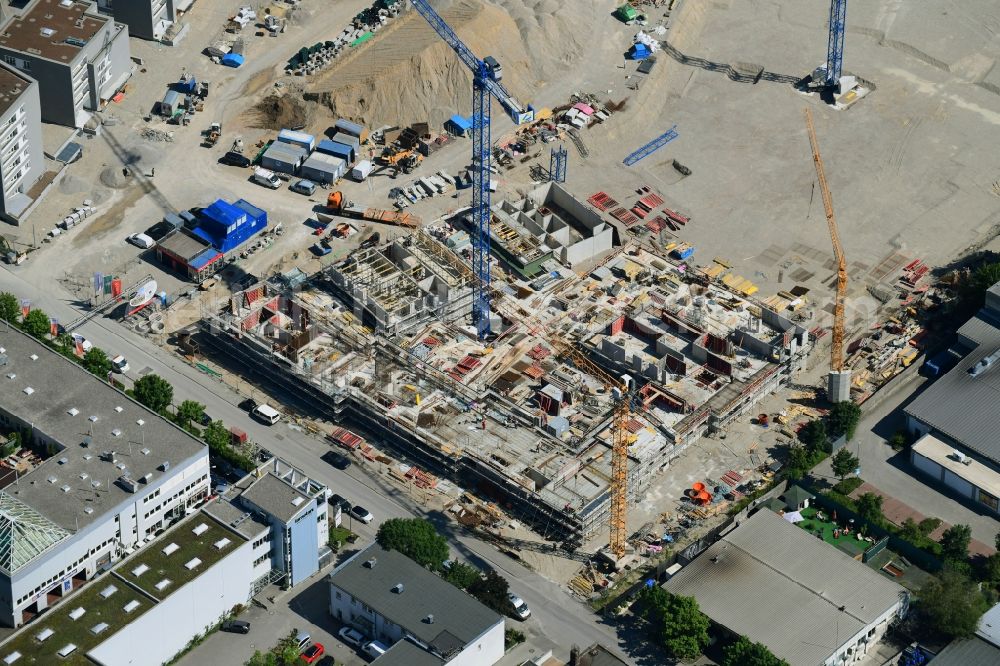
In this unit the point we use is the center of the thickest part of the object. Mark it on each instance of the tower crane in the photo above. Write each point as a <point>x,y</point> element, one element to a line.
<point>835,42</point>
<point>840,381</point>
<point>486,87</point>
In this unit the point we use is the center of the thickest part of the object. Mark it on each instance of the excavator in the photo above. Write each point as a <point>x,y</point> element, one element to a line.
<point>399,159</point>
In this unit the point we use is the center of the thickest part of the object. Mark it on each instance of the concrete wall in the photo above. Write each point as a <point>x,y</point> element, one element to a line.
<point>187,612</point>
<point>55,88</point>
<point>487,649</point>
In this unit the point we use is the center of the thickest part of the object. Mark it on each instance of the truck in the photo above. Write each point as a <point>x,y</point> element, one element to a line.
<point>340,206</point>
<point>266,178</point>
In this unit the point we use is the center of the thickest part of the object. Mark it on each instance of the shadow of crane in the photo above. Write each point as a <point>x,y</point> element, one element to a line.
<point>743,73</point>
<point>129,161</point>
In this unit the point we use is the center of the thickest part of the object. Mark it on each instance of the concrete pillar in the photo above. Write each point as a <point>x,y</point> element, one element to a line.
<point>839,386</point>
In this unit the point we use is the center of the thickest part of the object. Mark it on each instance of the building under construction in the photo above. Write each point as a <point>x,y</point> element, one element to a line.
<point>379,343</point>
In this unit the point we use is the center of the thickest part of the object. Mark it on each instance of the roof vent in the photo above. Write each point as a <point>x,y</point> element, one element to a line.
<point>87,456</point>
<point>66,489</point>
<point>72,411</point>
<point>164,466</point>
<point>298,500</point>
<point>93,418</point>
<point>87,439</point>
<point>429,619</point>
<point>118,409</point>
<point>89,510</point>
<point>34,357</point>
<point>144,452</point>
<point>140,422</point>
<point>147,478</point>
<point>95,484</point>
<point>51,479</point>
<point>398,588</point>
<point>11,375</point>
<point>66,3</point>
<point>83,476</point>
<point>116,432</point>
<point>63,461</point>
<point>28,390</point>
<point>984,364</point>
<point>371,563</point>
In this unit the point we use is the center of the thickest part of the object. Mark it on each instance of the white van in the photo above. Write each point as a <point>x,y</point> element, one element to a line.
<point>266,413</point>
<point>266,178</point>
<point>374,649</point>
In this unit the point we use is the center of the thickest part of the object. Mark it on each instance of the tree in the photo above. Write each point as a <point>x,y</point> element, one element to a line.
<point>996,540</point>
<point>952,604</point>
<point>844,463</point>
<point>416,538</point>
<point>981,279</point>
<point>991,569</point>
<point>217,436</point>
<point>675,621</point>
<point>492,591</point>
<point>910,531</point>
<point>870,508</point>
<point>262,659</point>
<point>96,362</point>
<point>744,652</point>
<point>928,525</point>
<point>843,419</point>
<point>898,440</point>
<point>154,391</point>
<point>461,575</point>
<point>190,411</point>
<point>813,435</point>
<point>955,543</point>
<point>37,324</point>
<point>799,462</point>
<point>10,307</point>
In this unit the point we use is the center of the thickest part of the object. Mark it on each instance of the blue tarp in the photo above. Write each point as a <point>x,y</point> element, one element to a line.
<point>232,60</point>
<point>458,125</point>
<point>187,86</point>
<point>639,52</point>
<point>228,225</point>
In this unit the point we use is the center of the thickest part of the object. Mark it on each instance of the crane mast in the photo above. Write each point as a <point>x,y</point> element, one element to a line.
<point>839,378</point>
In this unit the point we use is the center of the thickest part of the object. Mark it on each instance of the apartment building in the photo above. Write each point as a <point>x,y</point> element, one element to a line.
<point>21,158</point>
<point>79,58</point>
<point>148,19</point>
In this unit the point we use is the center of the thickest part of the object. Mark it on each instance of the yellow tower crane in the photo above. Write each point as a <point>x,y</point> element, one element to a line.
<point>840,379</point>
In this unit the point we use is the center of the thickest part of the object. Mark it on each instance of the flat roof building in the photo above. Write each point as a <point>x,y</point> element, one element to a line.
<point>117,475</point>
<point>22,161</point>
<point>425,619</point>
<point>779,585</point>
<point>79,58</point>
<point>959,411</point>
<point>147,19</point>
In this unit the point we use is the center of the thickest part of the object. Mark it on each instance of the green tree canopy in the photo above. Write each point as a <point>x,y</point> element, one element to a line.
<point>813,435</point>
<point>217,436</point>
<point>37,324</point>
<point>416,538</point>
<point>96,362</point>
<point>744,652</point>
<point>461,575</point>
<point>974,289</point>
<point>675,621</point>
<point>154,391</point>
<point>492,591</point>
<point>955,543</point>
<point>952,604</point>
<point>870,508</point>
<point>843,419</point>
<point>844,463</point>
<point>10,307</point>
<point>189,411</point>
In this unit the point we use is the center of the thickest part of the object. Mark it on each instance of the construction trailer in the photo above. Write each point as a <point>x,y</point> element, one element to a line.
<point>283,157</point>
<point>323,168</point>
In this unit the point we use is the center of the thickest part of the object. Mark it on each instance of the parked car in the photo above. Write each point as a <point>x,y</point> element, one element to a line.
<point>266,414</point>
<point>159,230</point>
<point>142,241</point>
<point>338,500</point>
<point>312,653</point>
<point>374,649</point>
<point>205,420</point>
<point>337,460</point>
<point>248,405</point>
<point>359,512</point>
<point>235,159</point>
<point>303,638</point>
<point>351,636</point>
<point>236,627</point>
<point>84,344</point>
<point>306,187</point>
<point>119,364</point>
<point>521,610</point>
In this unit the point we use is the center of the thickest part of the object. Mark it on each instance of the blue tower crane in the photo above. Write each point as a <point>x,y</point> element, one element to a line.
<point>486,87</point>
<point>835,43</point>
<point>557,164</point>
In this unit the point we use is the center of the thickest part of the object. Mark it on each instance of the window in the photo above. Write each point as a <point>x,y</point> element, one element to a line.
<point>988,499</point>
<point>10,60</point>
<point>26,65</point>
<point>337,594</point>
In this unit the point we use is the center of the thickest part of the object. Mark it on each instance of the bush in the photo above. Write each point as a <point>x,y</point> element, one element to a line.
<point>512,637</point>
<point>37,324</point>
<point>899,440</point>
<point>848,486</point>
<point>461,575</point>
<point>416,538</point>
<point>745,652</point>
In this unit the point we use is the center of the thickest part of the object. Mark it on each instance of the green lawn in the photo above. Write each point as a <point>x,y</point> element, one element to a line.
<point>78,632</point>
<point>172,567</point>
<point>848,543</point>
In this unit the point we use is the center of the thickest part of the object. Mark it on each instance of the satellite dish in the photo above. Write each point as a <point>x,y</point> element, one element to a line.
<point>144,295</point>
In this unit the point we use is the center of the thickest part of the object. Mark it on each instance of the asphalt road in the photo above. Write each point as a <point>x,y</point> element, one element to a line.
<point>556,615</point>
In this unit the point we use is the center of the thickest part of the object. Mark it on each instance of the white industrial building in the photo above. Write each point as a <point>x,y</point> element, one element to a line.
<point>777,584</point>
<point>423,619</point>
<point>118,474</point>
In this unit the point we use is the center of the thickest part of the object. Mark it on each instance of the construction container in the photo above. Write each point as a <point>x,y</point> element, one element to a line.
<point>353,129</point>
<point>323,168</point>
<point>171,103</point>
<point>307,141</point>
<point>361,170</point>
<point>283,157</point>
<point>336,149</point>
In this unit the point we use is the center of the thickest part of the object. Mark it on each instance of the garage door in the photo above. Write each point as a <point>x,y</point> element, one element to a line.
<point>927,466</point>
<point>959,484</point>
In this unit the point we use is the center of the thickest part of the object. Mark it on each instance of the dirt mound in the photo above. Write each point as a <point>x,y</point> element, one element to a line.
<point>276,112</point>
<point>407,74</point>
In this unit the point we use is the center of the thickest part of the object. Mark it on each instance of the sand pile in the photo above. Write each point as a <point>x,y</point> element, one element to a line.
<point>408,74</point>
<point>277,112</point>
